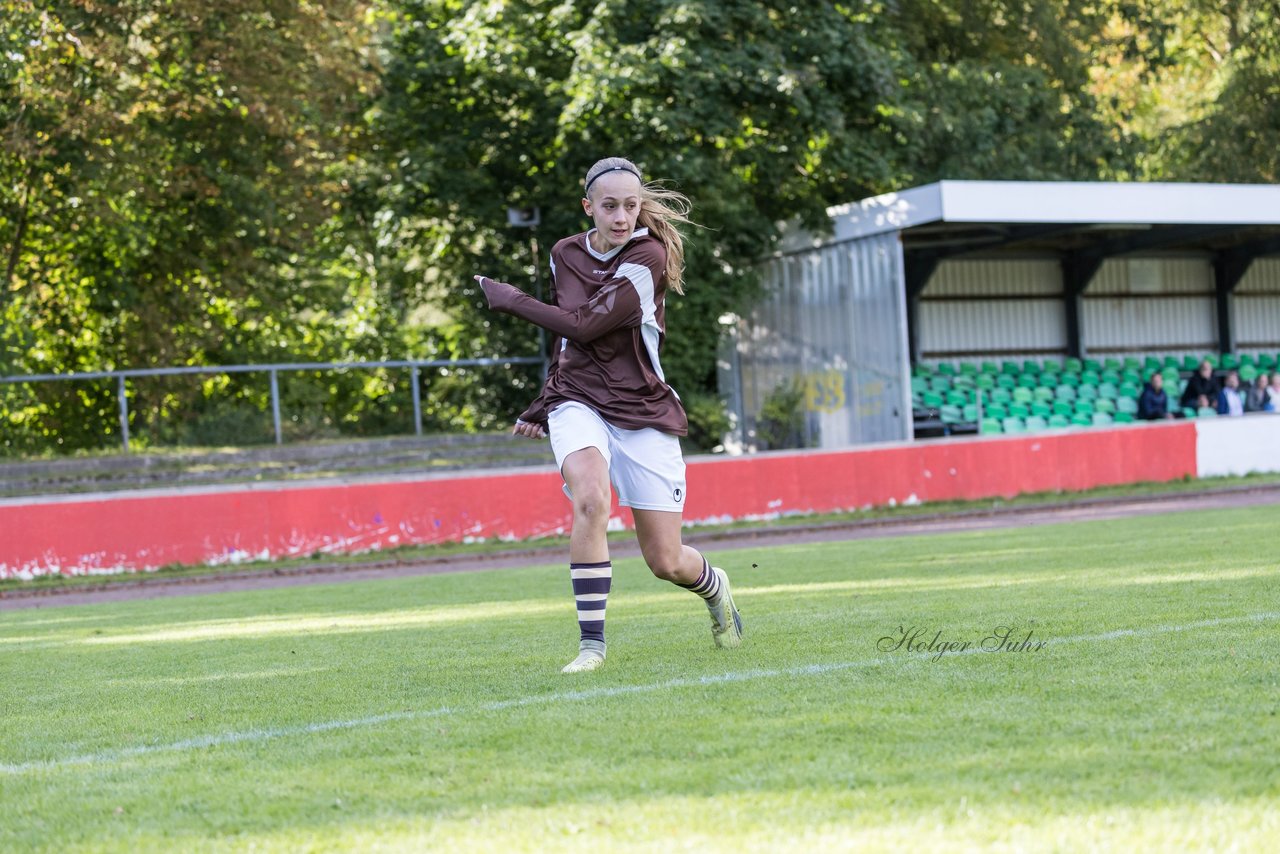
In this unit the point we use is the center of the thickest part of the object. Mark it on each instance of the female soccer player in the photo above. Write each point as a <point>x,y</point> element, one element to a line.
<point>606,404</point>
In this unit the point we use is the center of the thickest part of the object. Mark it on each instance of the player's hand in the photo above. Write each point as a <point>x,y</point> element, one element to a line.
<point>482,281</point>
<point>529,430</point>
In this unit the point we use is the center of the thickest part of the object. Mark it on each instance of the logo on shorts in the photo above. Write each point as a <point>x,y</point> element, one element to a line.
<point>678,494</point>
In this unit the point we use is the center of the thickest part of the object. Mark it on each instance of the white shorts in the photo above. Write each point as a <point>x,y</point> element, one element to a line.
<point>645,466</point>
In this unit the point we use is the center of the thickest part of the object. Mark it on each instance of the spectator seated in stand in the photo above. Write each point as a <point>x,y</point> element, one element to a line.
<point>1274,392</point>
<point>1258,397</point>
<point>1153,404</point>
<point>1230,401</point>
<point>1201,384</point>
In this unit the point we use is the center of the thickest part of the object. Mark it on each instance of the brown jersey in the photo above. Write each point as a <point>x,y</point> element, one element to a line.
<point>608,309</point>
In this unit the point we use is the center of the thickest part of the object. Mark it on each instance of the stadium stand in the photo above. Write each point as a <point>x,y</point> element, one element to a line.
<point>1020,397</point>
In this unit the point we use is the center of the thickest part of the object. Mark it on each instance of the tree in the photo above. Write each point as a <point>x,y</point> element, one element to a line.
<point>761,112</point>
<point>166,173</point>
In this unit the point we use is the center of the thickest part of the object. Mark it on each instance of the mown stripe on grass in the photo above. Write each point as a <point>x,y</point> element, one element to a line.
<point>818,669</point>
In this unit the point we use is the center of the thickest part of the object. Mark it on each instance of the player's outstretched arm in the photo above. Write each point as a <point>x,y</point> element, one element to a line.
<point>612,307</point>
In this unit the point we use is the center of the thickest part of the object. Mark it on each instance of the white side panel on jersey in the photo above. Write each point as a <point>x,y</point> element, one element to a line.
<point>650,335</point>
<point>642,279</point>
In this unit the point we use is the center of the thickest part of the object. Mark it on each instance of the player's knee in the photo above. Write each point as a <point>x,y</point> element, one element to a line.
<point>591,506</point>
<point>664,566</point>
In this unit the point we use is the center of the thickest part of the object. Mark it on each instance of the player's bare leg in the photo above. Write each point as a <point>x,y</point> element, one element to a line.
<point>587,475</point>
<point>670,559</point>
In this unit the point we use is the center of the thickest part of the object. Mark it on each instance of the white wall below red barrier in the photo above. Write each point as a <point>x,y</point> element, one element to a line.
<point>115,532</point>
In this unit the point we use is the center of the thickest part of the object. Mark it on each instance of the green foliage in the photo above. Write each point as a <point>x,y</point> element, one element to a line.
<point>489,105</point>
<point>781,421</point>
<point>708,422</point>
<point>166,172</point>
<point>203,182</point>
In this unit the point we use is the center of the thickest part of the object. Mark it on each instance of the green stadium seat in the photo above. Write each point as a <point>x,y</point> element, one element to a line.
<point>1042,392</point>
<point>1059,420</point>
<point>1031,366</point>
<point>1087,392</point>
<point>1132,377</point>
<point>940,383</point>
<point>1050,379</point>
<point>1109,376</point>
<point>947,369</point>
<point>1080,419</point>
<point>968,369</point>
<point>1172,362</point>
<point>970,412</point>
<point>1124,418</point>
<point>1007,381</point>
<point>1073,365</point>
<point>1190,363</point>
<point>1029,380</point>
<point>1090,378</point>
<point>1108,391</point>
<point>990,425</point>
<point>1106,405</point>
<point>1069,378</point>
<point>1009,368</point>
<point>1066,392</point>
<point>990,368</point>
<point>956,398</point>
<point>1040,409</point>
<point>1130,390</point>
<point>919,385</point>
<point>1127,405</point>
<point>1022,394</point>
<point>1131,363</point>
<point>1248,373</point>
<point>1102,419</point>
<point>1001,395</point>
<point>1267,362</point>
<point>1036,423</point>
<point>1019,410</point>
<point>1093,365</point>
<point>1013,425</point>
<point>1248,360</point>
<point>1211,358</point>
<point>1084,407</point>
<point>1063,407</point>
<point>1052,366</point>
<point>997,411</point>
<point>1229,362</point>
<point>962,381</point>
<point>1206,412</point>
<point>985,381</point>
<point>1151,365</point>
<point>950,414</point>
<point>1171,375</point>
<point>931,399</point>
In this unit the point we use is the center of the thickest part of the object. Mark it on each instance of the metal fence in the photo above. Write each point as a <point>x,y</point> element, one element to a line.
<point>274,371</point>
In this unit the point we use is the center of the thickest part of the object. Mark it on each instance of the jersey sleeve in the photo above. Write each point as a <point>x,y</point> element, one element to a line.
<point>614,306</point>
<point>625,300</point>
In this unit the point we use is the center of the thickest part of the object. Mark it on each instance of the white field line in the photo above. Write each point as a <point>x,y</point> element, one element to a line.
<point>257,735</point>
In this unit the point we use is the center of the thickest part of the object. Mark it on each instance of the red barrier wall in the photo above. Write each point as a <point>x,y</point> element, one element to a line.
<point>148,529</point>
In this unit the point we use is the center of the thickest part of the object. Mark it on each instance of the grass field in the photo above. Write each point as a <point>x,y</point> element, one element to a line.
<point>429,714</point>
